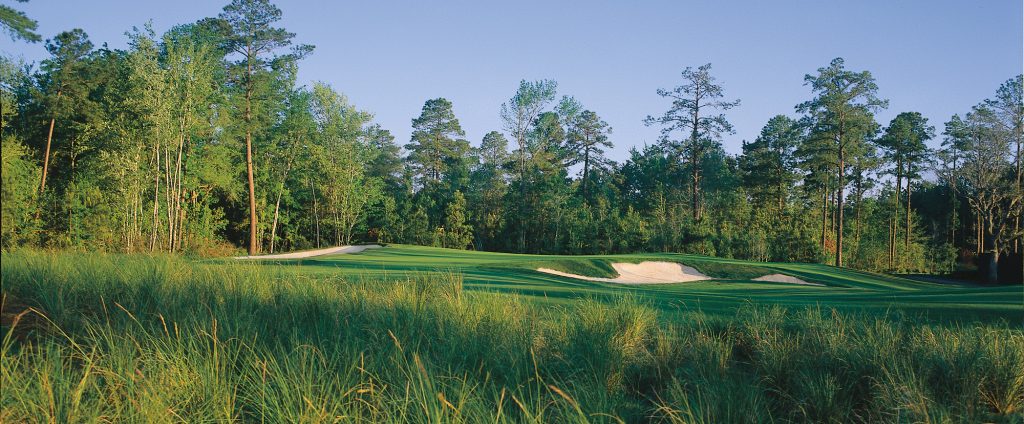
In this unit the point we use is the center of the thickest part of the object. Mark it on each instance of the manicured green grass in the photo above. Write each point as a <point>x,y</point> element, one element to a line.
<point>845,289</point>
<point>411,334</point>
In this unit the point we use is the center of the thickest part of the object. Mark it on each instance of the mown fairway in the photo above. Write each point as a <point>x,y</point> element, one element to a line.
<point>844,289</point>
<point>413,334</point>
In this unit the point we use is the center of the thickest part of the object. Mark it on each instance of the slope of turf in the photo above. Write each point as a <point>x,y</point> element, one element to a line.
<point>733,286</point>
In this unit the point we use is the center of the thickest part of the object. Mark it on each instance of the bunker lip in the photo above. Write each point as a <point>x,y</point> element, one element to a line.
<point>642,273</point>
<point>665,273</point>
<point>788,279</point>
<point>337,250</point>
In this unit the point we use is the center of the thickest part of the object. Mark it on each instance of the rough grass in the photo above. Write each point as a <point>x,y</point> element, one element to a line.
<point>154,339</point>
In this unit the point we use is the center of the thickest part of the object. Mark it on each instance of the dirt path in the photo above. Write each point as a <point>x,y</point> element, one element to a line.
<point>339,250</point>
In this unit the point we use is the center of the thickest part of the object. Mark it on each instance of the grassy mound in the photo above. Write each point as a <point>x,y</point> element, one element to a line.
<point>146,339</point>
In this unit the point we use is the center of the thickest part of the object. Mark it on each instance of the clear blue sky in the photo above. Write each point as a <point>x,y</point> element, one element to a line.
<point>937,57</point>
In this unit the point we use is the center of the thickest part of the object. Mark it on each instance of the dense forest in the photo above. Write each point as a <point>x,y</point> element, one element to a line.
<point>202,141</point>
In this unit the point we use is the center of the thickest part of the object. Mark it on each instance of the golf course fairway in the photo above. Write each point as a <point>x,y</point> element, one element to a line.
<point>732,286</point>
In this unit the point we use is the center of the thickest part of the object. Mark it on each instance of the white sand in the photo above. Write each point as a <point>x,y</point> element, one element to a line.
<point>664,273</point>
<point>339,250</point>
<point>788,279</point>
<point>642,273</point>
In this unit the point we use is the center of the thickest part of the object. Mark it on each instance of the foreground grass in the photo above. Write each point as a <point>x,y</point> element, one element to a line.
<point>115,338</point>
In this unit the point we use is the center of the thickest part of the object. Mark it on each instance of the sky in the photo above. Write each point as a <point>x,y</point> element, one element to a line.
<point>936,57</point>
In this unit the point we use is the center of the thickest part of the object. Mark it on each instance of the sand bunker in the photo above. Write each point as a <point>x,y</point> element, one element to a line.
<point>642,273</point>
<point>339,250</point>
<point>665,273</point>
<point>788,279</point>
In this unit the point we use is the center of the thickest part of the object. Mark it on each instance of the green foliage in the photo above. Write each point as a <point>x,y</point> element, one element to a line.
<point>436,145</point>
<point>153,143</point>
<point>585,143</point>
<point>19,25</point>
<point>457,233</point>
<point>18,201</point>
<point>769,164</point>
<point>697,115</point>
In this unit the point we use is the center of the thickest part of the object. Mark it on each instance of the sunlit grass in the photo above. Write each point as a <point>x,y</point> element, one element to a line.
<point>156,339</point>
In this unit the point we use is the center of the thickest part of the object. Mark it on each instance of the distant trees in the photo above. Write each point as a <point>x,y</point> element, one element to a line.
<point>585,144</point>
<point>63,73</point>
<point>138,149</point>
<point>769,163</point>
<point>437,144</point>
<point>979,163</point>
<point>488,187</point>
<point>456,233</point>
<point>337,158</point>
<point>297,131</point>
<point>522,110</point>
<point>989,186</point>
<point>697,112</point>
<point>1006,113</point>
<point>842,112</point>
<point>249,33</point>
<point>904,146</point>
<point>519,114</point>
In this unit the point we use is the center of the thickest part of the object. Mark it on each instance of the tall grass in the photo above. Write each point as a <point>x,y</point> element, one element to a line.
<point>157,339</point>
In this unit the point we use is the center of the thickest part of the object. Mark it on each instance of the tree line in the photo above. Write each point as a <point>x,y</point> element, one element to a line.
<point>201,139</point>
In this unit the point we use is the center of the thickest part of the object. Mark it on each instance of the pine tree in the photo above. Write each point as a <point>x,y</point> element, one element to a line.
<point>457,233</point>
<point>436,141</point>
<point>585,144</point>
<point>250,34</point>
<point>692,113</point>
<point>842,112</point>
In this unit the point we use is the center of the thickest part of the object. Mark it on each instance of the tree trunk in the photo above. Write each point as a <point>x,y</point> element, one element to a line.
<point>156,197</point>
<point>954,219</point>
<point>895,215</point>
<point>586,169</point>
<point>993,267</point>
<point>833,216</point>
<point>337,225</point>
<point>1016,219</point>
<point>906,234</point>
<point>46,155</point>
<point>253,247</point>
<point>839,210</point>
<point>168,200</point>
<point>252,192</point>
<point>977,240</point>
<point>824,215</point>
<point>178,239</point>
<point>316,213</point>
<point>277,203</point>
<point>860,196</point>
<point>695,184</point>
<point>179,175</point>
